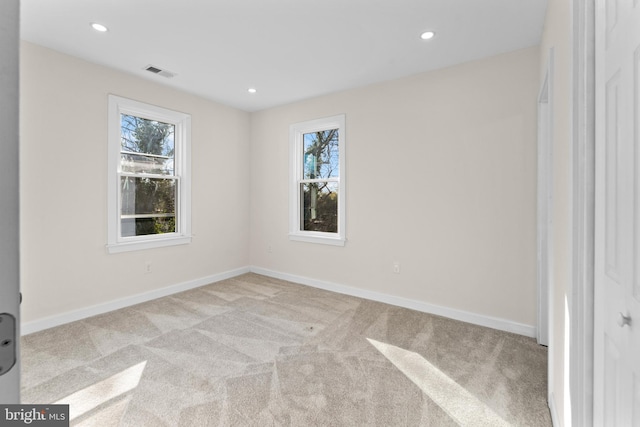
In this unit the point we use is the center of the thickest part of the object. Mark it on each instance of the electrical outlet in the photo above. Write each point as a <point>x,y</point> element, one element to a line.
<point>269,249</point>
<point>147,267</point>
<point>396,267</point>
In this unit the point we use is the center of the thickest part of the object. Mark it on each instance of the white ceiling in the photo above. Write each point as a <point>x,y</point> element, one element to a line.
<point>287,49</point>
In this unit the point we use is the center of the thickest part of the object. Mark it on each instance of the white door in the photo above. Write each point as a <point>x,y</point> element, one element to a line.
<point>9,243</point>
<point>617,256</point>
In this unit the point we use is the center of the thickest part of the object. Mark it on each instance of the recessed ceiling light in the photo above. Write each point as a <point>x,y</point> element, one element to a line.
<point>252,90</point>
<point>99,27</point>
<point>427,35</point>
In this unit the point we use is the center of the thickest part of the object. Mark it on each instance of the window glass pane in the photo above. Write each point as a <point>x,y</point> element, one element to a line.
<point>138,135</point>
<point>320,154</point>
<point>145,163</point>
<point>148,205</point>
<point>319,206</point>
<point>145,226</point>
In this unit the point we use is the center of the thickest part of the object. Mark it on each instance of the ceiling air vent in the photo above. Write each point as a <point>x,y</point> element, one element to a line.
<point>159,71</point>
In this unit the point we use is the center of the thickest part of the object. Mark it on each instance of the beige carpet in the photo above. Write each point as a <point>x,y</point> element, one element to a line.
<point>256,351</point>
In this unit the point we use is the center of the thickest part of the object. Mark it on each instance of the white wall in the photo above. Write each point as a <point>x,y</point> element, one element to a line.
<point>557,35</point>
<point>441,178</point>
<point>64,190</point>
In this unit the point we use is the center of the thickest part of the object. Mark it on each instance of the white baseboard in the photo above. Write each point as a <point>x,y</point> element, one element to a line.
<point>465,316</point>
<point>83,313</point>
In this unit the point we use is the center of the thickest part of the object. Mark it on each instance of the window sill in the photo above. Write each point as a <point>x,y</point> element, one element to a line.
<point>115,248</point>
<point>318,238</point>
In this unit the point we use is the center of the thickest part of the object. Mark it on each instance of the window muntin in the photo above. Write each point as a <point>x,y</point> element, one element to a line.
<point>149,193</point>
<point>317,186</point>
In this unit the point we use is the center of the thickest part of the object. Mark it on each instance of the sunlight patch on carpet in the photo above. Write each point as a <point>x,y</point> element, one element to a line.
<point>458,403</point>
<point>89,398</point>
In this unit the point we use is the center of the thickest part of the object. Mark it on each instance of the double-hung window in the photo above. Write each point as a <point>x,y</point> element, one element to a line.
<point>149,176</point>
<point>317,184</point>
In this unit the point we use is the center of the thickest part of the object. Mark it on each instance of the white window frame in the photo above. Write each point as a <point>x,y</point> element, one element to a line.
<point>182,162</point>
<point>296,152</point>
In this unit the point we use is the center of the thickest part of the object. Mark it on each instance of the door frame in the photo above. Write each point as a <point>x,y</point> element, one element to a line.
<point>9,183</point>
<point>581,299</point>
<point>545,208</point>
